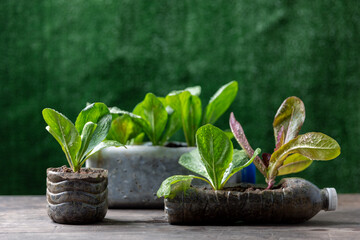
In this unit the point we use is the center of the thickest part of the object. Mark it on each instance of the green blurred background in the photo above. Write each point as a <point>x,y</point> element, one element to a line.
<point>62,54</point>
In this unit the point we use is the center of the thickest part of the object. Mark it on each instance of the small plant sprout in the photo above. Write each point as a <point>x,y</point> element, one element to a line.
<point>158,121</point>
<point>151,117</point>
<point>293,153</point>
<point>85,138</point>
<point>124,128</point>
<point>161,117</point>
<point>188,105</point>
<point>214,160</point>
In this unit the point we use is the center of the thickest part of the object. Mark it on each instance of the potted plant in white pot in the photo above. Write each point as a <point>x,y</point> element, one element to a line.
<point>136,172</point>
<point>293,200</point>
<point>77,195</point>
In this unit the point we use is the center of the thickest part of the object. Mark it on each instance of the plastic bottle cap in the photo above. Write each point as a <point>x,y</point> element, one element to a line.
<point>333,200</point>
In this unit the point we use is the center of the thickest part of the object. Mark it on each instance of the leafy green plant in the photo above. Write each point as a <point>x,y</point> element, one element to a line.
<point>124,129</point>
<point>293,153</point>
<point>82,140</point>
<point>161,117</point>
<point>150,117</point>
<point>158,121</point>
<point>214,160</point>
<point>187,105</point>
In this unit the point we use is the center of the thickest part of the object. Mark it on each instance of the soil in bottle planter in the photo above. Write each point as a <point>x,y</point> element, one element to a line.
<point>294,200</point>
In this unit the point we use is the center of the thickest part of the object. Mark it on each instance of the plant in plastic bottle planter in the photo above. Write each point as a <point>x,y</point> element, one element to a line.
<point>293,200</point>
<point>135,173</point>
<point>77,195</point>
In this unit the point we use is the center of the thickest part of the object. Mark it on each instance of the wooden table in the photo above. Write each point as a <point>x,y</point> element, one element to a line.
<point>24,217</point>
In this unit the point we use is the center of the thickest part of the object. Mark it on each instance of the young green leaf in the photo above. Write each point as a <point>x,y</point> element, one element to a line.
<point>189,107</point>
<point>290,116</point>
<point>155,116</point>
<point>196,90</point>
<point>220,102</point>
<point>64,131</point>
<point>216,151</point>
<point>101,131</point>
<point>213,159</point>
<point>191,116</point>
<point>173,101</point>
<point>86,136</point>
<point>229,134</point>
<point>240,160</point>
<point>118,112</point>
<point>122,129</point>
<point>173,123</point>
<point>192,161</point>
<point>188,104</point>
<point>79,148</point>
<point>313,145</point>
<point>91,113</point>
<point>174,184</point>
<point>293,164</point>
<point>139,139</point>
<point>139,127</point>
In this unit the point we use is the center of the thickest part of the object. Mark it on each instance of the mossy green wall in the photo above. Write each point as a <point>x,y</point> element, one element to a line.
<point>62,54</point>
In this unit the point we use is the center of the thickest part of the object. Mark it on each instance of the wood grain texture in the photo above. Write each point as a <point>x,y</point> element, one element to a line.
<point>24,217</point>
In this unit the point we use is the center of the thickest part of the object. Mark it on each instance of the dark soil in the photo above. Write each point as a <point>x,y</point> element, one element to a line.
<point>251,188</point>
<point>175,144</point>
<point>65,169</point>
<point>86,174</point>
<point>245,187</point>
<point>169,144</point>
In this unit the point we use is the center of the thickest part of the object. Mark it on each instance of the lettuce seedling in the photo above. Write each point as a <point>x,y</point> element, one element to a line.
<point>161,117</point>
<point>151,117</point>
<point>85,138</point>
<point>187,105</point>
<point>293,153</point>
<point>124,129</point>
<point>158,121</point>
<point>214,160</point>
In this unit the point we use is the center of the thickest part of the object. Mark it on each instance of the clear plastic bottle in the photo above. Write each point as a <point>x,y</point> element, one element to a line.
<point>294,200</point>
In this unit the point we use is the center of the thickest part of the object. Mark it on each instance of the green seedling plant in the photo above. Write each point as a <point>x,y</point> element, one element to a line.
<point>124,128</point>
<point>151,117</point>
<point>188,106</point>
<point>158,121</point>
<point>161,117</point>
<point>293,152</point>
<point>85,138</point>
<point>214,160</point>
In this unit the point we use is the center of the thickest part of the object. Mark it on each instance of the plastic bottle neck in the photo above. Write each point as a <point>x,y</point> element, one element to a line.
<point>330,199</point>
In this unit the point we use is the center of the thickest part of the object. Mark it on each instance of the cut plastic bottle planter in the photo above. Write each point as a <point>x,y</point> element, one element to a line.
<point>294,200</point>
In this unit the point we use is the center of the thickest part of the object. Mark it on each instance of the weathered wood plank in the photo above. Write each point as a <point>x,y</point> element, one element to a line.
<point>24,217</point>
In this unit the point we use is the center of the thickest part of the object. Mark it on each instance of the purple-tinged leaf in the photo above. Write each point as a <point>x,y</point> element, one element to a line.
<point>280,138</point>
<point>239,135</point>
<point>291,116</point>
<point>313,145</point>
<point>294,163</point>
<point>266,159</point>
